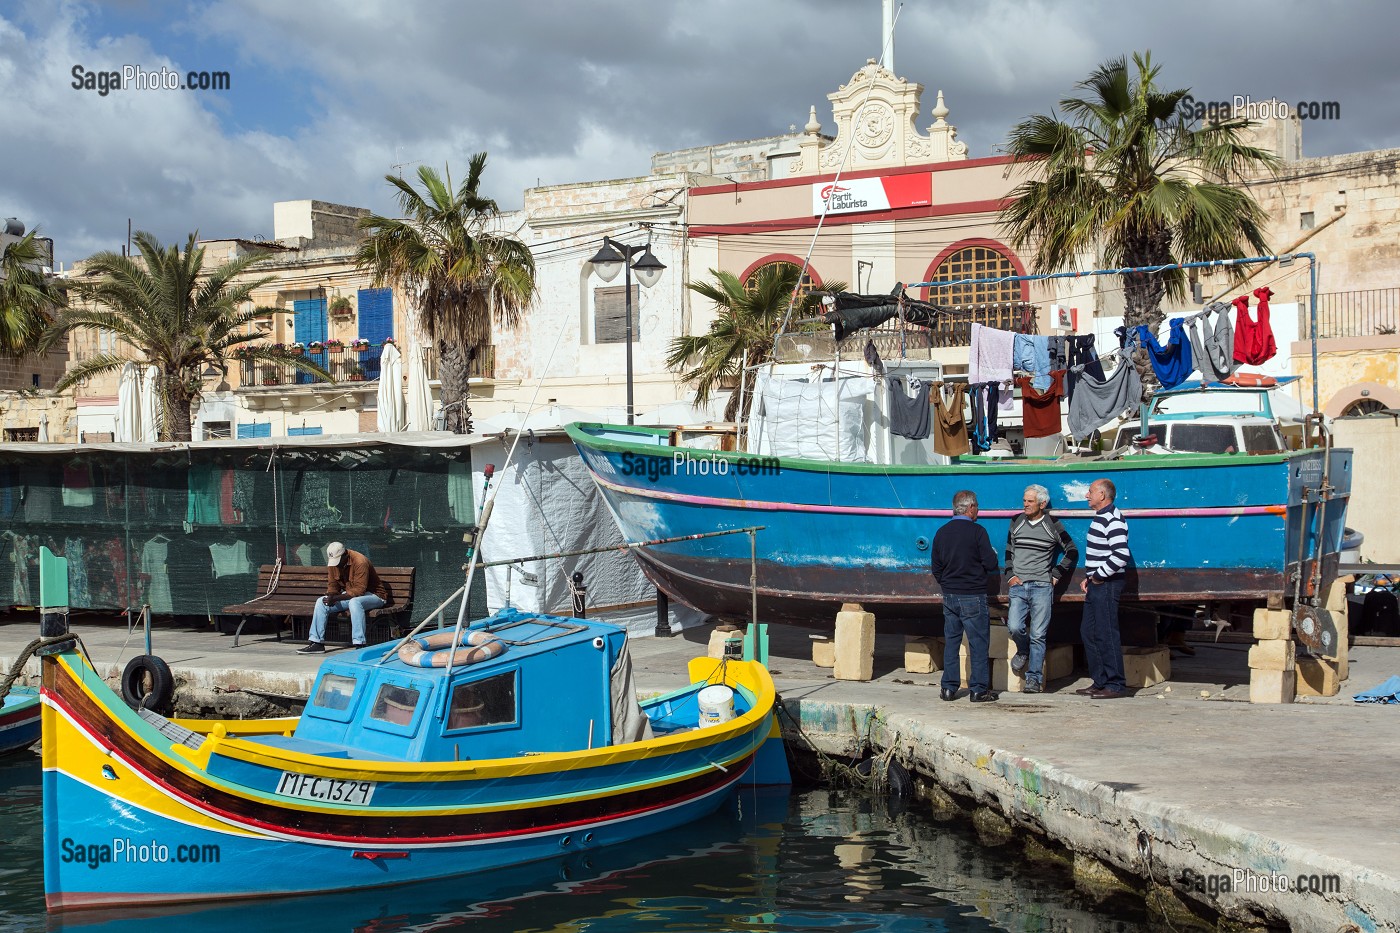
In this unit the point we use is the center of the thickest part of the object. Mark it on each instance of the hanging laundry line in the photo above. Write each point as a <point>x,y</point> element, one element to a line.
<point>1153,270</point>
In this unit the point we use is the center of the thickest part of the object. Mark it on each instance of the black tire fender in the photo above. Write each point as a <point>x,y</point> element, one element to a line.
<point>147,683</point>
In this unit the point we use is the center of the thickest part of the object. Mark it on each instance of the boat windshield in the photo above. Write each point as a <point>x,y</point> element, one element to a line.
<point>395,704</point>
<point>488,702</point>
<point>335,692</point>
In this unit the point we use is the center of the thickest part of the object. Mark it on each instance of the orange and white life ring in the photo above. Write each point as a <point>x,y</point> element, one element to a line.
<point>1250,380</point>
<point>437,649</point>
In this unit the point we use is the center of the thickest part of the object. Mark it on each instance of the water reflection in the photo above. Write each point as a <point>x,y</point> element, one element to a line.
<point>819,860</point>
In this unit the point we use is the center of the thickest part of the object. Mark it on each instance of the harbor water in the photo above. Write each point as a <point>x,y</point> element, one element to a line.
<point>809,860</point>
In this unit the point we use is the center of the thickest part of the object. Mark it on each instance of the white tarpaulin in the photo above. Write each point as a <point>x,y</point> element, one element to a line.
<point>547,503</point>
<point>798,417</point>
<point>128,422</point>
<point>390,396</point>
<point>419,409</point>
<point>150,406</point>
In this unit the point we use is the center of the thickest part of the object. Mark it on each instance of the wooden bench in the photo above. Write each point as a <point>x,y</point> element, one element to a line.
<point>292,600</point>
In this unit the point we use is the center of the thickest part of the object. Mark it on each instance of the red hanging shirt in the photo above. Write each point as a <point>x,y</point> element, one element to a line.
<point>1254,338</point>
<point>1040,411</point>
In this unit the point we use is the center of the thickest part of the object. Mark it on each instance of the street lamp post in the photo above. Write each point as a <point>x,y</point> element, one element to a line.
<point>615,257</point>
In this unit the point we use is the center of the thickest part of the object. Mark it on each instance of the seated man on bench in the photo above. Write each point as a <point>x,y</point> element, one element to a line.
<point>351,585</point>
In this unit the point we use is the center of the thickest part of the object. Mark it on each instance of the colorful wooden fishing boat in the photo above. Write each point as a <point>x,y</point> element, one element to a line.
<point>1202,526</point>
<point>395,772</point>
<point>19,719</point>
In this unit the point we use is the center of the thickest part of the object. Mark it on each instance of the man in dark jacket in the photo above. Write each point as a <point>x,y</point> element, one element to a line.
<point>963,565</point>
<point>1032,543</point>
<point>351,585</point>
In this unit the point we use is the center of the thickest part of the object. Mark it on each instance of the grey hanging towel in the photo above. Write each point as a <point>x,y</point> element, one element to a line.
<point>909,415</point>
<point>1096,402</point>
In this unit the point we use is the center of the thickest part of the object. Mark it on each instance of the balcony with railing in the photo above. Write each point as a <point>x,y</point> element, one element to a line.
<point>346,364</point>
<point>1372,312</point>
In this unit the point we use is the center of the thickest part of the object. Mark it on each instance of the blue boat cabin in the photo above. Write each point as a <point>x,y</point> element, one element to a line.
<point>548,691</point>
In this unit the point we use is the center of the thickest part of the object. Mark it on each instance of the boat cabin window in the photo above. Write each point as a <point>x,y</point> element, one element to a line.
<point>1205,438</point>
<point>1263,438</point>
<point>488,702</point>
<point>395,704</point>
<point>335,692</point>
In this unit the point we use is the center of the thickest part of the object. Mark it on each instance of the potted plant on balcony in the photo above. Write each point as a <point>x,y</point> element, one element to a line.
<point>340,306</point>
<point>357,373</point>
<point>271,379</point>
<point>315,346</point>
<point>333,345</point>
<point>360,344</point>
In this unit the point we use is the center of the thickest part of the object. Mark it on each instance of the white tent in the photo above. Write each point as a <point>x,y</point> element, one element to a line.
<point>420,393</point>
<point>390,396</point>
<point>547,503</point>
<point>128,421</point>
<point>150,406</point>
<point>44,428</point>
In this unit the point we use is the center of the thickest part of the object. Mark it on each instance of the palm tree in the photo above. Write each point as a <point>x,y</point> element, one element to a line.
<point>164,307</point>
<point>1127,171</point>
<point>748,319</point>
<point>460,272</point>
<point>28,297</point>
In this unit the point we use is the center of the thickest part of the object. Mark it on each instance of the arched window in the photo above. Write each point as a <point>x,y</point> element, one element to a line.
<point>983,260</point>
<point>810,280</point>
<point>1363,406</point>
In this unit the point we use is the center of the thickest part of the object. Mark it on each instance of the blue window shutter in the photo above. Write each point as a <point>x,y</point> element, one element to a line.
<point>376,315</point>
<point>302,432</point>
<point>309,320</point>
<point>256,429</point>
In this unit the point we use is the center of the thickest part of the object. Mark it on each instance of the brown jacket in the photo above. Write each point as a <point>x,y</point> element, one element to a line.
<point>355,576</point>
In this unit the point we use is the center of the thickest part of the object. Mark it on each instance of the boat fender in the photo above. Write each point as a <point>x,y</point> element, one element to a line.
<point>436,650</point>
<point>148,684</point>
<point>898,783</point>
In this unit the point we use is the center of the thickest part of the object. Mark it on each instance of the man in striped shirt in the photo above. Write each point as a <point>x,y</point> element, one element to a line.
<point>1106,559</point>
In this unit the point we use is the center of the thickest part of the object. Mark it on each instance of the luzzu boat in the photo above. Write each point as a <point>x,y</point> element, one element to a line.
<point>397,770</point>
<point>19,719</point>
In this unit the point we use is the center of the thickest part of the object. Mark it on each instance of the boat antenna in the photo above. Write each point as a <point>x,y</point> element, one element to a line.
<point>485,518</point>
<point>845,156</point>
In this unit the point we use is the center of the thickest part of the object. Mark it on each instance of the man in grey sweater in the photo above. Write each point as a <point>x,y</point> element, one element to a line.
<point>1035,539</point>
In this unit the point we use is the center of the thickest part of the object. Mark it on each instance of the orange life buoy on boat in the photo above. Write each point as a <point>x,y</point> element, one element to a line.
<point>1250,380</point>
<point>437,649</point>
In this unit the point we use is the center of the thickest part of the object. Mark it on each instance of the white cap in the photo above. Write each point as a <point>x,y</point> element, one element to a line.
<point>334,552</point>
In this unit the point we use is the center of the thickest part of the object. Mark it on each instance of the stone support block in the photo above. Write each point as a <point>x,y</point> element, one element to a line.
<point>1059,662</point>
<point>999,644</point>
<point>855,643</point>
<point>718,640</point>
<point>1146,667</point>
<point>1316,677</point>
<point>823,651</point>
<point>1273,624</point>
<point>923,654</point>
<point>1274,655</point>
<point>1272,686</point>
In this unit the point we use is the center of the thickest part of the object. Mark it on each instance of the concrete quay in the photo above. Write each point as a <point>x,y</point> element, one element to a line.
<point>1171,787</point>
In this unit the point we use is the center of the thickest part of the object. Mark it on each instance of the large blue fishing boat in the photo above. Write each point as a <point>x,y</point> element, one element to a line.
<point>1203,526</point>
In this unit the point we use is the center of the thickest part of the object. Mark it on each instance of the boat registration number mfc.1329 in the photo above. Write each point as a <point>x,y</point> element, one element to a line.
<point>325,790</point>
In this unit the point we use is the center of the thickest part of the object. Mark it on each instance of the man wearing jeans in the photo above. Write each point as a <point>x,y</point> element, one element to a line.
<point>351,585</point>
<point>963,565</point>
<point>1034,540</point>
<point>1106,560</point>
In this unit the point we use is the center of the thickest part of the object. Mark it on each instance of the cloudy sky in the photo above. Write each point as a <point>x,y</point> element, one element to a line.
<point>327,97</point>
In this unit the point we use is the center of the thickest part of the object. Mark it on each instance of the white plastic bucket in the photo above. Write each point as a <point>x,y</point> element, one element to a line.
<point>716,705</point>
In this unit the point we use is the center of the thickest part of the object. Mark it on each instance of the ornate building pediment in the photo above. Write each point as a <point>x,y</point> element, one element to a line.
<point>875,115</point>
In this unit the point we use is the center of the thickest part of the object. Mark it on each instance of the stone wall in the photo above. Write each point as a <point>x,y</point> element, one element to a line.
<point>1375,499</point>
